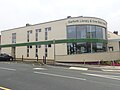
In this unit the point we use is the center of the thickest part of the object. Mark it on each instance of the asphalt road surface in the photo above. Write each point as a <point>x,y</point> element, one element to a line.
<point>20,76</point>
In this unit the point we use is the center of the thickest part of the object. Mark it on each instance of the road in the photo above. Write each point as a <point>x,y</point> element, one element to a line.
<point>20,76</point>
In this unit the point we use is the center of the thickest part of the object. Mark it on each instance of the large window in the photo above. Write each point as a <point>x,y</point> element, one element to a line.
<point>85,47</point>
<point>104,33</point>
<point>81,32</point>
<point>99,33</point>
<point>93,31</point>
<point>71,32</point>
<point>86,31</point>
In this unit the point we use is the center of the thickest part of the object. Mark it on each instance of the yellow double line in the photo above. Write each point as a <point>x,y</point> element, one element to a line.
<point>3,88</point>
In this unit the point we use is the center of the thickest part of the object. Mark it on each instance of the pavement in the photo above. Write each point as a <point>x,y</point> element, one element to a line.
<point>76,66</point>
<point>90,67</point>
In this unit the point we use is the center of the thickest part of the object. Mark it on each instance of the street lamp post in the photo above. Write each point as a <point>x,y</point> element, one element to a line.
<point>54,50</point>
<point>91,44</point>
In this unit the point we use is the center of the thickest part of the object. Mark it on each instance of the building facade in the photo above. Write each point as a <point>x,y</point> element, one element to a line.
<point>113,42</point>
<point>57,40</point>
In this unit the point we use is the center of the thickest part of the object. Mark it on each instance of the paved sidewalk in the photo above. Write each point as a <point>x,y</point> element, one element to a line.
<point>91,67</point>
<point>76,66</point>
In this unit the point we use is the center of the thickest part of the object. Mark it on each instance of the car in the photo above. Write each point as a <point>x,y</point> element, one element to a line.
<point>5,57</point>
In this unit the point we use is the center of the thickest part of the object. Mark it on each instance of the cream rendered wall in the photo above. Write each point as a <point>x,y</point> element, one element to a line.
<point>8,50</point>
<point>89,57</point>
<point>114,44</point>
<point>58,31</point>
<point>41,52</point>
<point>6,38</point>
<point>21,51</point>
<point>61,49</point>
<point>113,41</point>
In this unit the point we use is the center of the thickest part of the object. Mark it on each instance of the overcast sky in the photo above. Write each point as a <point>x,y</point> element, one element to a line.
<point>16,13</point>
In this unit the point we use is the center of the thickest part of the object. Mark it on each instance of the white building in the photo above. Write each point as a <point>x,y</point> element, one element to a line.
<point>73,39</point>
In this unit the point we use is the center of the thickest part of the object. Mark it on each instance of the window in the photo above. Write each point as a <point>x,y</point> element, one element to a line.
<point>104,33</point>
<point>38,30</point>
<point>28,35</point>
<point>27,51</point>
<point>83,31</point>
<point>49,28</point>
<point>71,30</point>
<point>46,51</point>
<point>46,34</point>
<point>39,46</point>
<point>37,34</point>
<point>93,31</point>
<point>72,48</point>
<point>36,50</point>
<point>30,31</point>
<point>30,46</point>
<point>79,28</point>
<point>13,37</point>
<point>49,45</point>
<point>85,47</point>
<point>86,31</point>
<point>99,33</point>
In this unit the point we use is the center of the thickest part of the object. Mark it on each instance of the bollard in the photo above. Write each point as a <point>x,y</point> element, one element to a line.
<point>45,59</point>
<point>37,57</point>
<point>113,63</point>
<point>22,57</point>
<point>99,63</point>
<point>84,62</point>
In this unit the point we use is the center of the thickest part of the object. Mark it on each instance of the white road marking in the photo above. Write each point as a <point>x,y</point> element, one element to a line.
<point>76,78</point>
<point>57,75</point>
<point>3,88</point>
<point>56,67</point>
<point>111,70</point>
<point>79,68</point>
<point>39,69</point>
<point>10,69</point>
<point>104,76</point>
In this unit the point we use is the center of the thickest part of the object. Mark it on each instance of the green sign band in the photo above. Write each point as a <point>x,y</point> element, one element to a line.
<point>54,42</point>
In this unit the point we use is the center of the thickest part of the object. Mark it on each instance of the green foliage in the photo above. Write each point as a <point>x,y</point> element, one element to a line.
<point>117,61</point>
<point>106,62</point>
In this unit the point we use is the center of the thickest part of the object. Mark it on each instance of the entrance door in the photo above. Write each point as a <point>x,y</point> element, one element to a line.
<point>110,49</point>
<point>13,53</point>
